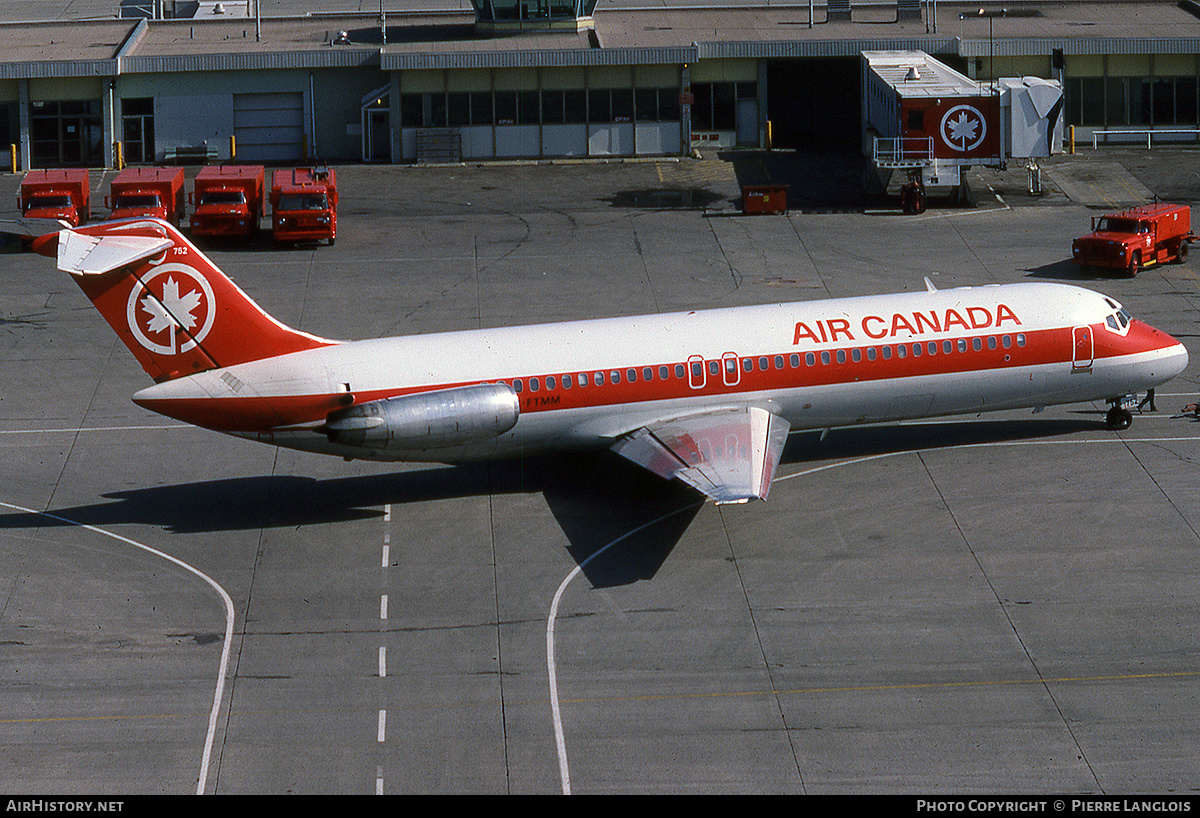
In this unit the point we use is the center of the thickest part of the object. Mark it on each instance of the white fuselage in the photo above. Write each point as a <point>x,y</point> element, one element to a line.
<point>817,364</point>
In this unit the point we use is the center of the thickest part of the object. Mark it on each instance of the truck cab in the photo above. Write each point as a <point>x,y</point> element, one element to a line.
<point>227,200</point>
<point>156,192</point>
<point>304,205</point>
<point>61,194</point>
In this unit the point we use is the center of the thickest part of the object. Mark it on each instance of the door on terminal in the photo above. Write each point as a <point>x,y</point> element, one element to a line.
<point>747,123</point>
<point>66,133</point>
<point>379,135</point>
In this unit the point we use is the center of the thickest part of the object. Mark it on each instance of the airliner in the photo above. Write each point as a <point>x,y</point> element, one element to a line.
<point>707,397</point>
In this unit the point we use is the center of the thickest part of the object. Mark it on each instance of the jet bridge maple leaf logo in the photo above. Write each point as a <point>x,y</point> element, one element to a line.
<point>963,128</point>
<point>172,310</point>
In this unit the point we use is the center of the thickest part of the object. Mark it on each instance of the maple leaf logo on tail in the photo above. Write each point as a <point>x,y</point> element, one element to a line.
<point>173,310</point>
<point>184,301</point>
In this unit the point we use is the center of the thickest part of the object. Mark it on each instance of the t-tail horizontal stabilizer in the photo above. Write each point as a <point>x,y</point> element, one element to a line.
<point>95,255</point>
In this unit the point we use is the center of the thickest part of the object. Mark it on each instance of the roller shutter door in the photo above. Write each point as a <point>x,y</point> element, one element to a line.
<point>269,127</point>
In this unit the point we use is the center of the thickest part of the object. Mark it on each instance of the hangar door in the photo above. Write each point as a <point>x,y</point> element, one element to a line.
<point>269,127</point>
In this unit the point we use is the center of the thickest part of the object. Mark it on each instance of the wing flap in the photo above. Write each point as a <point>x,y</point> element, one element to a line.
<point>94,255</point>
<point>729,455</point>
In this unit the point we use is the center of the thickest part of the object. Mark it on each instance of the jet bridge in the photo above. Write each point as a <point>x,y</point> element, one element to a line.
<point>929,121</point>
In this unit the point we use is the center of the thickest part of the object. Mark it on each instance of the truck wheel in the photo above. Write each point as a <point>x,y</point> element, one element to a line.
<point>1135,264</point>
<point>1182,253</point>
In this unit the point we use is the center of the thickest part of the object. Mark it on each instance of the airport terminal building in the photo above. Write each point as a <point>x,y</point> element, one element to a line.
<point>538,79</point>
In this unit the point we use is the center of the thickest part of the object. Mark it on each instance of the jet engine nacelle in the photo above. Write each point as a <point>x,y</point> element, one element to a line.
<point>428,420</point>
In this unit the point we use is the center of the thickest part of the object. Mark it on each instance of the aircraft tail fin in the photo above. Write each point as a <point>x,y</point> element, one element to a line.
<point>174,309</point>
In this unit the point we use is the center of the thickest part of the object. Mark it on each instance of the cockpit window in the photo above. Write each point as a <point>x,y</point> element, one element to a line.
<point>1117,321</point>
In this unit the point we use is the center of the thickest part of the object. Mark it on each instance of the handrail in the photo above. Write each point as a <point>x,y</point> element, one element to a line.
<point>903,150</point>
<point>1149,132</point>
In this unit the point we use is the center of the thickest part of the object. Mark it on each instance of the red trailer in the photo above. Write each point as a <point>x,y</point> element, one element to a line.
<point>1136,238</point>
<point>62,194</point>
<point>227,200</point>
<point>304,204</point>
<point>142,191</point>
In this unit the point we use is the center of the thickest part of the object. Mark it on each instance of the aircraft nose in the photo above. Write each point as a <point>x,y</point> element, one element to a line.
<point>1177,359</point>
<point>1172,359</point>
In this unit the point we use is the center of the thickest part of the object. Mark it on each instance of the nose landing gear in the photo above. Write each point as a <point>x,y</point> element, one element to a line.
<point>1118,416</point>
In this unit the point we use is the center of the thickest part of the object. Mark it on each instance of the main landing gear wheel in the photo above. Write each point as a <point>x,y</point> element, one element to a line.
<point>1118,418</point>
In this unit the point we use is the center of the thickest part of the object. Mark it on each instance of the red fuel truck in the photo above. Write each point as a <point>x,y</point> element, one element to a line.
<point>1136,238</point>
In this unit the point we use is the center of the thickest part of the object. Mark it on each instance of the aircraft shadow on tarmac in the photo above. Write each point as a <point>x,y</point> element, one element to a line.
<point>598,500</point>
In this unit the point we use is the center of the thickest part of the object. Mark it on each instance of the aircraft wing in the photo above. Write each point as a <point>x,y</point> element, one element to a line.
<point>729,455</point>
